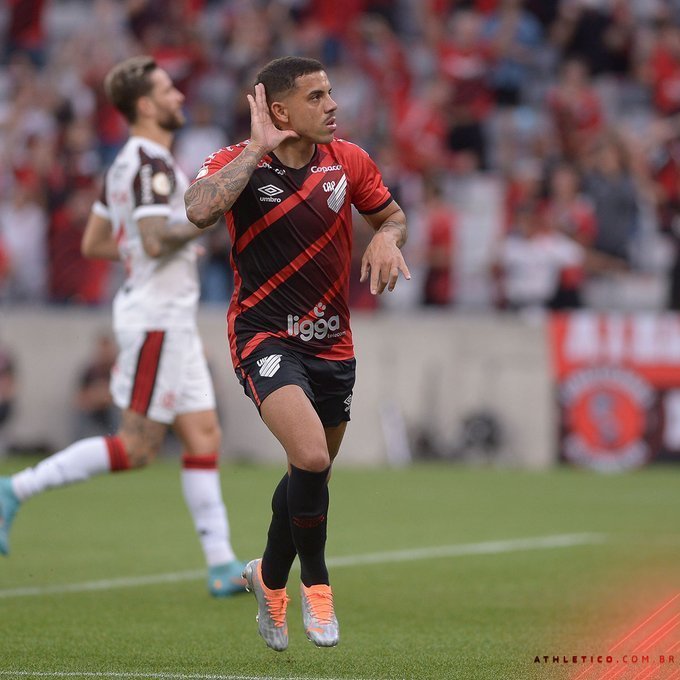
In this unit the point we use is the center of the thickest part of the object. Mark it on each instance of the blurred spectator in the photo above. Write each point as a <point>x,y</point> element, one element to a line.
<point>523,186</point>
<point>666,173</point>
<point>217,277</point>
<point>464,61</point>
<point>380,54</point>
<point>567,208</point>
<point>72,277</point>
<point>198,139</point>
<point>611,187</point>
<point>5,270</point>
<point>25,31</point>
<point>598,32</point>
<point>96,414</point>
<point>663,69</point>
<point>537,267</point>
<point>513,35</point>
<point>440,230</point>
<point>421,129</point>
<point>576,110</point>
<point>8,391</point>
<point>23,231</point>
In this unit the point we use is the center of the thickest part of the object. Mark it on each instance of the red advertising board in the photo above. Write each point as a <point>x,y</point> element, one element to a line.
<point>618,381</point>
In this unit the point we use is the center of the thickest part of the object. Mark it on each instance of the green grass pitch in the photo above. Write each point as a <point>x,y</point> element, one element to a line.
<point>481,615</point>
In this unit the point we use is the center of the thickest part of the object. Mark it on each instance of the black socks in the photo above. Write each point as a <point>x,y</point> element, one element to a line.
<point>280,550</point>
<point>300,507</point>
<point>308,508</point>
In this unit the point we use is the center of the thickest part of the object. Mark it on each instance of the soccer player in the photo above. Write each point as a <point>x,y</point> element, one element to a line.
<point>161,377</point>
<point>288,193</point>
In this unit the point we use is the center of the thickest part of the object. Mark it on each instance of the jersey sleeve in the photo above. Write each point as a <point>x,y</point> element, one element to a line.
<point>368,192</point>
<point>216,161</point>
<point>152,187</point>
<point>101,206</point>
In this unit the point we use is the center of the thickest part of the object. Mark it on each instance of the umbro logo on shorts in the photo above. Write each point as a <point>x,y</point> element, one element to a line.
<point>348,403</point>
<point>269,365</point>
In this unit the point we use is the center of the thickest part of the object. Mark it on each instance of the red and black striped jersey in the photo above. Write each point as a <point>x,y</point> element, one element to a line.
<point>291,232</point>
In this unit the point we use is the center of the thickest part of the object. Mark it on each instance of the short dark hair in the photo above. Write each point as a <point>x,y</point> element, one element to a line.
<point>279,76</point>
<point>126,82</point>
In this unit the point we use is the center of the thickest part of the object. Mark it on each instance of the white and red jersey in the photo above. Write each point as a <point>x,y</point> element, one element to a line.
<point>158,293</point>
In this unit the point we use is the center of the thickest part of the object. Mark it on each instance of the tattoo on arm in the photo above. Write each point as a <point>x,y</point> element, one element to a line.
<point>208,198</point>
<point>399,227</point>
<point>160,238</point>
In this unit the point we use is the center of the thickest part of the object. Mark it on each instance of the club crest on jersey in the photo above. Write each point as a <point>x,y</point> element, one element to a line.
<point>337,198</point>
<point>270,192</point>
<point>269,365</point>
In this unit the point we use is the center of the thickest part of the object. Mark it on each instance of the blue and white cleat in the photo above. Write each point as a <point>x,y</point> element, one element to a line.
<point>9,504</point>
<point>225,580</point>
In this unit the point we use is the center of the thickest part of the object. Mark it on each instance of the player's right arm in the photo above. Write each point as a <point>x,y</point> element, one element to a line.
<point>208,198</point>
<point>98,241</point>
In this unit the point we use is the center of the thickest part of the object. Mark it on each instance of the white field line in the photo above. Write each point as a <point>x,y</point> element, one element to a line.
<point>156,676</point>
<point>460,550</point>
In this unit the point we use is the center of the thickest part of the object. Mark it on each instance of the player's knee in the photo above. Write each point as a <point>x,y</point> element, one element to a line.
<point>212,435</point>
<point>312,460</point>
<point>204,440</point>
<point>140,456</point>
<point>139,452</point>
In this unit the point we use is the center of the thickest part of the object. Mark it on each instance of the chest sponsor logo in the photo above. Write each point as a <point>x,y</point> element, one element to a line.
<point>271,193</point>
<point>337,198</point>
<point>317,327</point>
<point>269,365</point>
<point>269,166</point>
<point>324,168</point>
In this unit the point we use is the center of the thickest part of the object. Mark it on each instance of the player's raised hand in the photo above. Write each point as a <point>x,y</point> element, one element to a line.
<point>383,261</point>
<point>263,132</point>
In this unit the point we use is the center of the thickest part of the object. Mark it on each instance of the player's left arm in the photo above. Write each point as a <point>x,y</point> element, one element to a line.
<point>98,241</point>
<point>382,259</point>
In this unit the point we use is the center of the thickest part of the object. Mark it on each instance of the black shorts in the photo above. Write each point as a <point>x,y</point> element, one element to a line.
<point>327,384</point>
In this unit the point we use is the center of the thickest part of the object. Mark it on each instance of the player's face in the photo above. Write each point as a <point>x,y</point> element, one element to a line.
<point>167,101</point>
<point>311,110</point>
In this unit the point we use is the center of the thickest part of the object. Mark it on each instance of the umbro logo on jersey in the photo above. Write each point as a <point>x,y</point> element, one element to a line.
<point>270,192</point>
<point>337,199</point>
<point>269,365</point>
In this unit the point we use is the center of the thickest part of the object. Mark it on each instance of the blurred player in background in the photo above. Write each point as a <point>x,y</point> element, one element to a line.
<point>161,377</point>
<point>288,193</point>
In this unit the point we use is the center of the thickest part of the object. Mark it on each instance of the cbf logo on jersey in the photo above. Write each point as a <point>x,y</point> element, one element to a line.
<point>318,328</point>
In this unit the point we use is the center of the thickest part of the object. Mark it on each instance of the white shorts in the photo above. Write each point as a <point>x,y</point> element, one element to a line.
<point>161,374</point>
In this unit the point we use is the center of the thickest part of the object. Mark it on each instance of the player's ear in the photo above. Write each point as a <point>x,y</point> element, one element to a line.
<point>145,106</point>
<point>279,113</point>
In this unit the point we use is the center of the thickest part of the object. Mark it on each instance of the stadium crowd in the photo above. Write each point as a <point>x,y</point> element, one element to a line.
<point>534,144</point>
